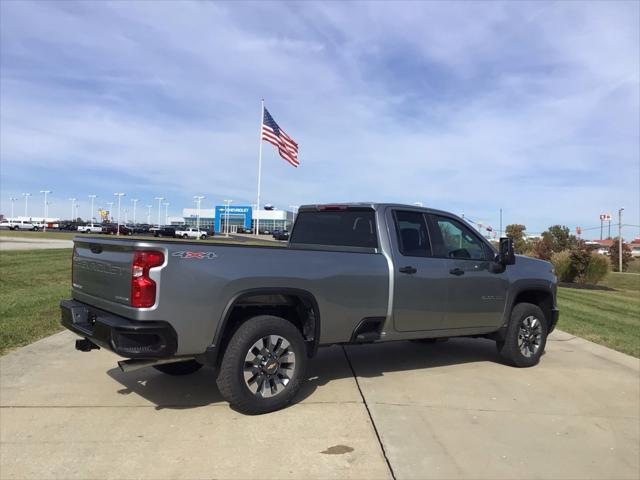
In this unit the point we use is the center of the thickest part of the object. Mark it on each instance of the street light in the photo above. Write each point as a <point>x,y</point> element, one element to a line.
<point>73,207</point>
<point>198,199</point>
<point>110,204</point>
<point>135,201</point>
<point>92,197</point>
<point>227,203</point>
<point>44,220</point>
<point>159,199</point>
<point>149,207</point>
<point>294,210</point>
<point>13,199</point>
<point>119,195</point>
<point>26,203</point>
<point>166,213</point>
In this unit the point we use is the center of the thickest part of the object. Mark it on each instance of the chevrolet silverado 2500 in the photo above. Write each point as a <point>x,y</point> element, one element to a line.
<point>354,273</point>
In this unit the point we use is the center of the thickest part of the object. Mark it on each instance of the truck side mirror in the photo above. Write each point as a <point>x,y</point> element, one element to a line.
<point>507,255</point>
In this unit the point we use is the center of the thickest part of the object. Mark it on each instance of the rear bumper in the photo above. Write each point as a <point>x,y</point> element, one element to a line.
<point>127,338</point>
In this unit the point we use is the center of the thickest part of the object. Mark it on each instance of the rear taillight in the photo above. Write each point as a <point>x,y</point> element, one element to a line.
<point>143,289</point>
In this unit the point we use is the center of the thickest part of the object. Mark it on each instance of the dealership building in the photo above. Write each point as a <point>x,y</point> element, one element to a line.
<point>237,216</point>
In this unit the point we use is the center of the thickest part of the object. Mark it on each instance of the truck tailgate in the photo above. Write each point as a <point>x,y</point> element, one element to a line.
<point>103,269</point>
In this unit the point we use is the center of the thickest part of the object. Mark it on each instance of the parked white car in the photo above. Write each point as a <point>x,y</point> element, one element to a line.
<point>191,233</point>
<point>89,228</point>
<point>24,225</point>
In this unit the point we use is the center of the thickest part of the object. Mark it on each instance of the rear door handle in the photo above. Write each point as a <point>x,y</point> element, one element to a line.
<point>456,271</point>
<point>408,269</point>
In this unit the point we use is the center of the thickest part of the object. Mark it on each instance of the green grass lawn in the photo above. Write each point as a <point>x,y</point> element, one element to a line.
<point>611,318</point>
<point>32,283</point>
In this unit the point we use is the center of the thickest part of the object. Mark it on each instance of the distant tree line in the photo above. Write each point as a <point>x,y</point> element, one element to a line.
<point>573,259</point>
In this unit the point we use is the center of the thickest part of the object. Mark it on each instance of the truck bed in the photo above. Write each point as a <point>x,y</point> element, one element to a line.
<point>199,280</point>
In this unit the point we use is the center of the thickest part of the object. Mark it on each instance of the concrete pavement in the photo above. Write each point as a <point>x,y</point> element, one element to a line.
<point>31,243</point>
<point>412,410</point>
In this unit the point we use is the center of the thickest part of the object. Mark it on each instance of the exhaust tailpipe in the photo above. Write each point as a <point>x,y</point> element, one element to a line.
<point>138,363</point>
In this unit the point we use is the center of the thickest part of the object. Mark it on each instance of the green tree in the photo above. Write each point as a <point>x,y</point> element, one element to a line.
<point>559,238</point>
<point>626,255</point>
<point>515,232</point>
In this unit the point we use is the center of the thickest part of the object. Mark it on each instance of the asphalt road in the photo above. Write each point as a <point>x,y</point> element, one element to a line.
<point>448,410</point>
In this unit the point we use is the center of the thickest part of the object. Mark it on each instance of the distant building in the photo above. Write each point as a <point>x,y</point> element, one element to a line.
<point>237,216</point>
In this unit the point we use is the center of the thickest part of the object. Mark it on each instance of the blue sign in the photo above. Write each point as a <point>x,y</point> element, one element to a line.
<point>235,212</point>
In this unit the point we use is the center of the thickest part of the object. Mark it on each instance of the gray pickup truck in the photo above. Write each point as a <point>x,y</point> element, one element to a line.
<point>353,273</point>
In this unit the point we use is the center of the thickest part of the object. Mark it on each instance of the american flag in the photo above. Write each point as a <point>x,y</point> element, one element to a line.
<point>272,133</point>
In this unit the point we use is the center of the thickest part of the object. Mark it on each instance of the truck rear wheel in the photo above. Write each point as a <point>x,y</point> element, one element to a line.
<point>179,368</point>
<point>263,366</point>
<point>526,336</point>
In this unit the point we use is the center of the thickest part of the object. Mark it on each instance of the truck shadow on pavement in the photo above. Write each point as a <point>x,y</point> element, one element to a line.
<point>331,364</point>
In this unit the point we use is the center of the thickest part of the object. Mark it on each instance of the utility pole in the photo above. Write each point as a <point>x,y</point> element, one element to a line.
<point>92,197</point>
<point>26,203</point>
<point>198,199</point>
<point>119,195</point>
<point>620,239</point>
<point>149,207</point>
<point>44,220</point>
<point>166,213</point>
<point>135,201</point>
<point>13,200</point>
<point>159,199</point>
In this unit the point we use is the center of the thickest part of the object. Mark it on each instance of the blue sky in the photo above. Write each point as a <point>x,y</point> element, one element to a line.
<point>468,107</point>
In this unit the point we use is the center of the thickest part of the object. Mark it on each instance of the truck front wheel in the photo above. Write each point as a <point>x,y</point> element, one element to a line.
<point>263,366</point>
<point>526,336</point>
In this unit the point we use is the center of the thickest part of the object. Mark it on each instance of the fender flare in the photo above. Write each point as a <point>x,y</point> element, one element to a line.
<point>305,294</point>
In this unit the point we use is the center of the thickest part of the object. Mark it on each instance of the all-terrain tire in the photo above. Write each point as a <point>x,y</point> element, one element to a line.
<point>520,331</point>
<point>179,368</point>
<point>231,379</point>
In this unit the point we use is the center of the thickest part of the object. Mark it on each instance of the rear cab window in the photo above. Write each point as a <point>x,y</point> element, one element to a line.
<point>344,228</point>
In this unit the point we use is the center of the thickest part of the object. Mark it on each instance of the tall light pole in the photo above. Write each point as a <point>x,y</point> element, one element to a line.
<point>26,203</point>
<point>620,239</point>
<point>135,201</point>
<point>294,210</point>
<point>77,213</point>
<point>119,195</point>
<point>198,199</point>
<point>227,203</point>
<point>110,216</point>
<point>73,207</point>
<point>92,197</point>
<point>159,199</point>
<point>149,207</point>
<point>13,200</point>
<point>166,213</point>
<point>44,220</point>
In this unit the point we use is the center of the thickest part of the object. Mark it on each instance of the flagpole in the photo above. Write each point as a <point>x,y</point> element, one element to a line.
<point>259,168</point>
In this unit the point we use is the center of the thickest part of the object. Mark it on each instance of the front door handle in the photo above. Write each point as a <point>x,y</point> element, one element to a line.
<point>408,269</point>
<point>456,271</point>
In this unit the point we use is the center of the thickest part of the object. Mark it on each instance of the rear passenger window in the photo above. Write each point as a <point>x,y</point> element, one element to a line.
<point>346,228</point>
<point>413,238</point>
